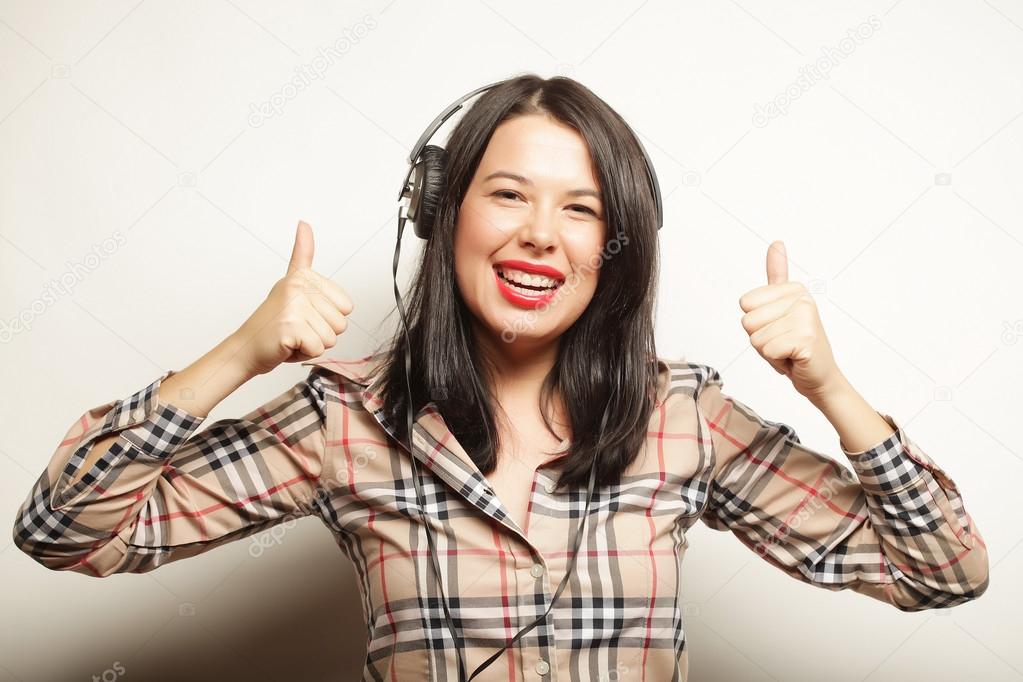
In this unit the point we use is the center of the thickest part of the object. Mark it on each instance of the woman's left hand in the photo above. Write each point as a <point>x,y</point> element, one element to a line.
<point>783,325</point>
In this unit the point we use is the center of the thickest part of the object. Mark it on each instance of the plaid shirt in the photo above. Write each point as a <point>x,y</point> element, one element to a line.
<point>894,528</point>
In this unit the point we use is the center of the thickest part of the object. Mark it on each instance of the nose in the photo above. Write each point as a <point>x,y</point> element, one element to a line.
<point>539,232</point>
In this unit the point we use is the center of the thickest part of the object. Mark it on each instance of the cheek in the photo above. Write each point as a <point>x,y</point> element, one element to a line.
<point>472,250</point>
<point>476,231</point>
<point>585,251</point>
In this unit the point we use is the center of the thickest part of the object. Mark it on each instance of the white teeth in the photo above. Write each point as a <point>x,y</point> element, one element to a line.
<point>528,292</point>
<point>528,279</point>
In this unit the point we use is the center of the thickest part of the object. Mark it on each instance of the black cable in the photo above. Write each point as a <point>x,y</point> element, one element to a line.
<point>412,457</point>
<point>422,506</point>
<point>571,562</point>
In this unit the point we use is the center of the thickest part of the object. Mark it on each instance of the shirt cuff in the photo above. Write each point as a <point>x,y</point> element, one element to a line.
<point>888,466</point>
<point>153,427</point>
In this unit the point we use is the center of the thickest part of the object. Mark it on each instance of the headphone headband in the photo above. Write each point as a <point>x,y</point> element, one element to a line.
<point>414,191</point>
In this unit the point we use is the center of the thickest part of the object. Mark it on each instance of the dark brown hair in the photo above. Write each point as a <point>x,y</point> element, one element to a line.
<point>607,354</point>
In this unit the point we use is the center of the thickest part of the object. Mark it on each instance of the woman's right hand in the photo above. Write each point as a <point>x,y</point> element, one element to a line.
<point>302,316</point>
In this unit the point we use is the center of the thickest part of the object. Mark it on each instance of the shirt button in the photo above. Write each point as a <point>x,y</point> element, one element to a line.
<point>536,571</point>
<point>542,667</point>
<point>550,487</point>
<point>137,414</point>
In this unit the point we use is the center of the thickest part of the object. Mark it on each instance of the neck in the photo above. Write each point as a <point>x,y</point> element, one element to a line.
<point>516,371</point>
<point>518,365</point>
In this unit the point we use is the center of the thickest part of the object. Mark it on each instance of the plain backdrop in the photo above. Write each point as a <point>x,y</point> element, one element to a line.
<point>155,158</point>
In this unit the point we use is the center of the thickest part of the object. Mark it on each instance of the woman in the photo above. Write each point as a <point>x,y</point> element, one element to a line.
<point>512,373</point>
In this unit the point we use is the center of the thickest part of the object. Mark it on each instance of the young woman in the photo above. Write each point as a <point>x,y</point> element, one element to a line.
<point>530,321</point>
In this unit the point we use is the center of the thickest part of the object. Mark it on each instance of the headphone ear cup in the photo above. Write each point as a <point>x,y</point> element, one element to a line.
<point>432,173</point>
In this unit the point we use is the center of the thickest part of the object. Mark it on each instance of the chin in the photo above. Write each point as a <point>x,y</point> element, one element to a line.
<point>525,330</point>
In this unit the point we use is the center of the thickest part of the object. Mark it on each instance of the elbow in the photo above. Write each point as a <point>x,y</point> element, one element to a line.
<point>941,600</point>
<point>55,551</point>
<point>979,575</point>
<point>978,589</point>
<point>975,582</point>
<point>65,562</point>
<point>976,572</point>
<point>23,538</point>
<point>967,580</point>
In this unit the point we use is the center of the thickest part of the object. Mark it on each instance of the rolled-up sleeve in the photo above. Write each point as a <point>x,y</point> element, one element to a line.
<point>894,528</point>
<point>165,490</point>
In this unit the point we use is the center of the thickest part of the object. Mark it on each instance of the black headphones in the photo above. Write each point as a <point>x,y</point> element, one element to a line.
<point>419,196</point>
<point>428,168</point>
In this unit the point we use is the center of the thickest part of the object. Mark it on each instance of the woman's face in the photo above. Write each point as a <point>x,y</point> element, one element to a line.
<point>533,204</point>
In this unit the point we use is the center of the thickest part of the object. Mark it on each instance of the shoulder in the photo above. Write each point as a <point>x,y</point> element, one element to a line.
<point>358,370</point>
<point>682,376</point>
<point>675,375</point>
<point>347,381</point>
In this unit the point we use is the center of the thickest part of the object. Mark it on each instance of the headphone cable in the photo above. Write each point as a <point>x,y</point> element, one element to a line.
<point>422,507</point>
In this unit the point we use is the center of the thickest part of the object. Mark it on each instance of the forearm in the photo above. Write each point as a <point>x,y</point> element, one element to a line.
<point>196,389</point>
<point>201,386</point>
<point>858,425</point>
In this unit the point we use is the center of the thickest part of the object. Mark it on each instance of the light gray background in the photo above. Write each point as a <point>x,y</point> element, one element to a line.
<point>130,168</point>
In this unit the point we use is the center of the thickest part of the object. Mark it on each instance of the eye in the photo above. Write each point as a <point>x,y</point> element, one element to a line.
<point>506,193</point>
<point>586,209</point>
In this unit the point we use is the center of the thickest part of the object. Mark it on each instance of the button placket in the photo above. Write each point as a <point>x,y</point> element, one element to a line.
<point>540,585</point>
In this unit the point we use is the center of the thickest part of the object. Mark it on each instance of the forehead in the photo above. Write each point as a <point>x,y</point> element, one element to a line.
<point>538,147</point>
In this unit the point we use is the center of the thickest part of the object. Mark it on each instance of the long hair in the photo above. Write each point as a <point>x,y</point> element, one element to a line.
<point>611,345</point>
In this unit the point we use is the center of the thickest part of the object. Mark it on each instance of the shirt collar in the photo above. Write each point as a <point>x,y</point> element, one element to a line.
<point>363,372</point>
<point>436,446</point>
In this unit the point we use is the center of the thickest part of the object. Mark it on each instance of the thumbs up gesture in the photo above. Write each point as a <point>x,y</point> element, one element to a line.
<point>303,314</point>
<point>783,325</point>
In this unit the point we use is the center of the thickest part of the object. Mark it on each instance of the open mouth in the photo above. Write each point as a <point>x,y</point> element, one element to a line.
<point>528,285</point>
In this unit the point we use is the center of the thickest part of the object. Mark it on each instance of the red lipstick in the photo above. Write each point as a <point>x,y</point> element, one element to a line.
<point>520,296</point>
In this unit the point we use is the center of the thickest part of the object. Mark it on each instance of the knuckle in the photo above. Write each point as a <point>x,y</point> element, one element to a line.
<point>293,284</point>
<point>303,277</point>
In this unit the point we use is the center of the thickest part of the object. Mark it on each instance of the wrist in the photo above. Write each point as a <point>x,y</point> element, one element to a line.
<point>232,355</point>
<point>835,392</point>
<point>200,386</point>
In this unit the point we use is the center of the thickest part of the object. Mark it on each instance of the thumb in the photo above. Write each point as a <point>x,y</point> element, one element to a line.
<point>777,263</point>
<point>302,252</point>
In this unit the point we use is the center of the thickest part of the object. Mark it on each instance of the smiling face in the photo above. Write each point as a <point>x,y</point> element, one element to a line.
<point>533,203</point>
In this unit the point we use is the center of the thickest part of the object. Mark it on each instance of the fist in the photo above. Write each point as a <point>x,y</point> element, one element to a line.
<point>784,327</point>
<point>302,316</point>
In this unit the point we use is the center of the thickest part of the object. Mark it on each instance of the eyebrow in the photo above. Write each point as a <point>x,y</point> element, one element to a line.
<point>581,192</point>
